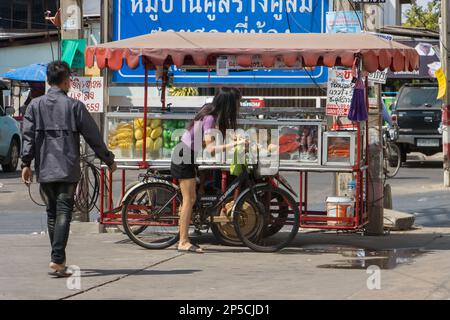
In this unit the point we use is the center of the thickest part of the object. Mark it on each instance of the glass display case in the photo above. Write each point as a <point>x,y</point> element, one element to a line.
<point>339,148</point>
<point>124,134</point>
<point>300,142</point>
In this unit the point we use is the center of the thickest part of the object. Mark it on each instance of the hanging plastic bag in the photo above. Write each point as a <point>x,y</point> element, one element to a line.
<point>236,168</point>
<point>358,108</point>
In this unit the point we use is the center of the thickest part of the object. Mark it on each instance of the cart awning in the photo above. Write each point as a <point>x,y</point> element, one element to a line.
<point>202,49</point>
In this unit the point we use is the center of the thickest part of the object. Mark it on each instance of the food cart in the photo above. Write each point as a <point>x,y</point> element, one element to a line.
<point>141,140</point>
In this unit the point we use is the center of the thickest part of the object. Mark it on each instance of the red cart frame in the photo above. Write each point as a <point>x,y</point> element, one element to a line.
<point>162,49</point>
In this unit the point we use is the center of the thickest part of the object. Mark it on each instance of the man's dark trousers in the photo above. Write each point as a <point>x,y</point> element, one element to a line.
<point>59,199</point>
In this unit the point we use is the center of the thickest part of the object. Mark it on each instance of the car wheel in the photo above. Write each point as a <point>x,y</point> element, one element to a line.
<point>11,166</point>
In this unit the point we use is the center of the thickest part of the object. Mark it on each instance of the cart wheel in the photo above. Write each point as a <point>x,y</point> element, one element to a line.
<point>278,218</point>
<point>153,205</point>
<point>225,231</point>
<point>277,223</point>
<point>135,229</point>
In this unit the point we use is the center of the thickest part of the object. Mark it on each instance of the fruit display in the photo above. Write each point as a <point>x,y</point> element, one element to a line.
<point>120,139</point>
<point>154,139</point>
<point>183,91</point>
<point>169,126</point>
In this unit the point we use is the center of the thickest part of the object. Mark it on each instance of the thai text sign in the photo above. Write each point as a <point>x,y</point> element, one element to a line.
<point>137,17</point>
<point>339,92</point>
<point>89,91</point>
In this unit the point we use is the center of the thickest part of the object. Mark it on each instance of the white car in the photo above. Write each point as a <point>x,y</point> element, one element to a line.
<point>10,140</point>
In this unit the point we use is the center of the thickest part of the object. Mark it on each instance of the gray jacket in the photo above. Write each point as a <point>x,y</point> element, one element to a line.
<point>51,135</point>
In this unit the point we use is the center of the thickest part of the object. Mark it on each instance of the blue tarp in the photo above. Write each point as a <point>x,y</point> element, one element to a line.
<point>33,72</point>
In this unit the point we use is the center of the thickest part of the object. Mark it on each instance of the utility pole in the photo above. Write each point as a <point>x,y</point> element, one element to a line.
<point>445,41</point>
<point>72,28</point>
<point>341,179</point>
<point>375,193</point>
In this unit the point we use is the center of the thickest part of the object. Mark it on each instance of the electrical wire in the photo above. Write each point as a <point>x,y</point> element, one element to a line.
<point>288,16</point>
<point>32,199</point>
<point>290,30</point>
<point>314,81</point>
<point>23,21</point>
<point>83,200</point>
<point>357,15</point>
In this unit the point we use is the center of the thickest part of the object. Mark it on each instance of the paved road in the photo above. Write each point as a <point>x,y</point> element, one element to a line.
<point>315,266</point>
<point>417,189</point>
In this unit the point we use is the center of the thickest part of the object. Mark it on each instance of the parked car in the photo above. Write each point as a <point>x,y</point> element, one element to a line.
<point>10,140</point>
<point>418,114</point>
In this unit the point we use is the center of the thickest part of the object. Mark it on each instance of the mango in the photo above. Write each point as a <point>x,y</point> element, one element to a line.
<point>140,143</point>
<point>138,134</point>
<point>138,123</point>
<point>157,144</point>
<point>156,133</point>
<point>149,132</point>
<point>155,123</point>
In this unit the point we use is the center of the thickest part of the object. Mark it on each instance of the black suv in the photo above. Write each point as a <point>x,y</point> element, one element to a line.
<point>418,115</point>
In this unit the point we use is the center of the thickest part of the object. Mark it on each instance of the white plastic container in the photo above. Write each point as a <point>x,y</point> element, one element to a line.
<point>340,207</point>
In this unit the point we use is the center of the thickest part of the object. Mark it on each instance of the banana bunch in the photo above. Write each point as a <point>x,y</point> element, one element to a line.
<point>121,136</point>
<point>154,140</point>
<point>183,91</point>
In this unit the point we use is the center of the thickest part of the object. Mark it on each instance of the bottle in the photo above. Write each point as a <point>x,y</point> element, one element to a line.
<point>351,189</point>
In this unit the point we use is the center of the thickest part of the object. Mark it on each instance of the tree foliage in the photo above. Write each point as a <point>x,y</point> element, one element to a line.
<point>424,17</point>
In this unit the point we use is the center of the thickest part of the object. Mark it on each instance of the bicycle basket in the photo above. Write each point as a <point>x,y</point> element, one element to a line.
<point>263,163</point>
<point>267,167</point>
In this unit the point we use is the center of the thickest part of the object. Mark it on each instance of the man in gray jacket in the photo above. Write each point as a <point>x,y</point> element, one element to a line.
<point>51,136</point>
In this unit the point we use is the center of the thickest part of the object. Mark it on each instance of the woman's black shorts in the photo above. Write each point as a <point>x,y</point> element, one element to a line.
<point>184,170</point>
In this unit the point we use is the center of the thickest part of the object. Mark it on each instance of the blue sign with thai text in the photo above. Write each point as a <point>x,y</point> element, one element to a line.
<point>137,17</point>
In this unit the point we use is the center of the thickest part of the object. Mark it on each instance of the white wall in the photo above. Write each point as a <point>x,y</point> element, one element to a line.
<point>20,56</point>
<point>389,14</point>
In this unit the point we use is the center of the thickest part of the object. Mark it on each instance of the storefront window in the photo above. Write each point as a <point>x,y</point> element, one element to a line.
<point>26,14</point>
<point>21,15</point>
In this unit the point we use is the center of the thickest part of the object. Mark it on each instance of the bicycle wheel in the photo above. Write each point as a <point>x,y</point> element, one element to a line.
<point>154,207</point>
<point>225,231</point>
<point>278,218</point>
<point>392,160</point>
<point>135,229</point>
<point>88,188</point>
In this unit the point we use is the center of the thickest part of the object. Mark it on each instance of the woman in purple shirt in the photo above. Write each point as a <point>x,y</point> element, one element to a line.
<point>221,114</point>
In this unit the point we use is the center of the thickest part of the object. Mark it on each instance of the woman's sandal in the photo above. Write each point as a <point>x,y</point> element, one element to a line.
<point>60,273</point>
<point>192,249</point>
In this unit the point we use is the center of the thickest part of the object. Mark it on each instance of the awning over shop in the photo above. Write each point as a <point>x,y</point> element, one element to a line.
<point>202,49</point>
<point>33,72</point>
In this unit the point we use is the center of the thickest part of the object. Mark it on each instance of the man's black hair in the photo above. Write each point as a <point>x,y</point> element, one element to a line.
<point>57,72</point>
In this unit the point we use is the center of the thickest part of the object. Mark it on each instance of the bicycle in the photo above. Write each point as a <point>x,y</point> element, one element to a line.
<point>87,190</point>
<point>391,152</point>
<point>264,216</point>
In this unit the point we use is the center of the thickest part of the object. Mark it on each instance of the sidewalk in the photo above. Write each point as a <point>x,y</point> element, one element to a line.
<point>414,265</point>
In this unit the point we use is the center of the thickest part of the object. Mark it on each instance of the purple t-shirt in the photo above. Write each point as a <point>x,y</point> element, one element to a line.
<point>207,123</point>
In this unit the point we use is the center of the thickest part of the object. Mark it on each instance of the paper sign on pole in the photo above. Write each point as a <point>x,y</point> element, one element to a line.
<point>344,22</point>
<point>378,76</point>
<point>88,90</point>
<point>339,92</point>
<point>442,81</point>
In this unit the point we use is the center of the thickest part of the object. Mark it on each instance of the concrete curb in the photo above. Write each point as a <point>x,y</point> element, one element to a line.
<point>396,220</point>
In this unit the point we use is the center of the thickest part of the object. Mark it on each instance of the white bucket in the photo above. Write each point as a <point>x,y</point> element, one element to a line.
<point>340,207</point>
